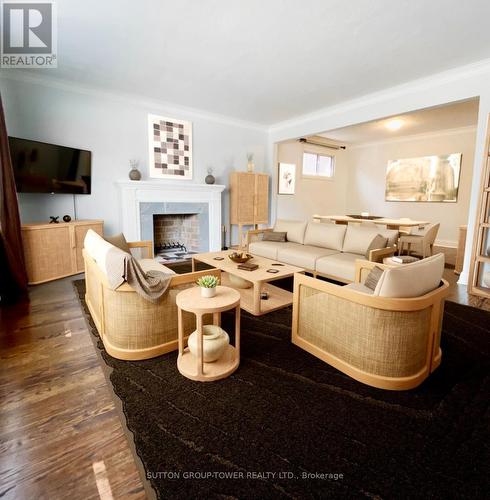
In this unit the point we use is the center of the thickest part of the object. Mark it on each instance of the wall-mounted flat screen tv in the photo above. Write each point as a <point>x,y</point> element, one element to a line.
<point>47,168</point>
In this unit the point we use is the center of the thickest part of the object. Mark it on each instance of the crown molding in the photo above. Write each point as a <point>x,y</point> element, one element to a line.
<point>414,137</point>
<point>419,85</point>
<point>135,99</point>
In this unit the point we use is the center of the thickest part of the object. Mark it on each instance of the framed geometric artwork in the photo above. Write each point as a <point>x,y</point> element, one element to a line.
<point>286,178</point>
<point>170,148</point>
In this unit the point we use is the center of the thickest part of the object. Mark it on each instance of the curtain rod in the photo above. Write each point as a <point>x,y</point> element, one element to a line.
<point>318,143</point>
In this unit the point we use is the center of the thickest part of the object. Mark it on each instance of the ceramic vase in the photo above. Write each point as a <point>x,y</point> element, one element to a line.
<point>209,179</point>
<point>208,292</point>
<point>135,174</point>
<point>250,166</point>
<point>214,342</point>
<point>239,282</point>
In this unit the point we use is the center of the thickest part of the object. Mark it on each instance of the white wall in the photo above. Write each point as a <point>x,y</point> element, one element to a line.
<point>115,128</point>
<point>367,171</point>
<point>312,196</point>
<point>461,83</point>
<point>359,181</point>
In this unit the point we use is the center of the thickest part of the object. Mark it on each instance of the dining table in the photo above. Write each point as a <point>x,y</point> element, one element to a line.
<point>384,221</point>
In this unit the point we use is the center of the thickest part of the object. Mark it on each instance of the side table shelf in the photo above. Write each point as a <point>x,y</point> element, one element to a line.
<point>193,367</point>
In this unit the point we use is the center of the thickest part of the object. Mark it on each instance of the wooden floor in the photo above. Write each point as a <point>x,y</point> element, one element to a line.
<point>60,431</point>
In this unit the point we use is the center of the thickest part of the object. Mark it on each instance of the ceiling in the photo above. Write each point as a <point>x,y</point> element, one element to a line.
<point>449,116</point>
<point>264,61</point>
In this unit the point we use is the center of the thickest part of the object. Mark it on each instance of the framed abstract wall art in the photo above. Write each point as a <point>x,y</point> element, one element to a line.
<point>286,178</point>
<point>426,179</point>
<point>170,148</point>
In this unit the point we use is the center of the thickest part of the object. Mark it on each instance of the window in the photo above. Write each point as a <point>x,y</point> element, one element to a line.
<point>315,165</point>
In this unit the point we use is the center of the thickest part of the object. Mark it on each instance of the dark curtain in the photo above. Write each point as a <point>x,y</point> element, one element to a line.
<point>13,277</point>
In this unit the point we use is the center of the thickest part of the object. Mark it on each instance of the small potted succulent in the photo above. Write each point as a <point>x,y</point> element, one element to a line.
<point>208,285</point>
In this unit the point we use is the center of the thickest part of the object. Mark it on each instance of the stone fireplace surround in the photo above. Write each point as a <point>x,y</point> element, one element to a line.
<point>140,200</point>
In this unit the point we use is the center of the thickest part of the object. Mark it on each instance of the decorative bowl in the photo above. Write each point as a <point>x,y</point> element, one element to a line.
<point>240,257</point>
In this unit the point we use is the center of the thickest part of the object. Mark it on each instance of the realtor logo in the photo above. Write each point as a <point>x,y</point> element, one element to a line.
<point>28,35</point>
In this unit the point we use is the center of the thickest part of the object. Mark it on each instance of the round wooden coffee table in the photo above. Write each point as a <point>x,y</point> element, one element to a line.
<point>195,368</point>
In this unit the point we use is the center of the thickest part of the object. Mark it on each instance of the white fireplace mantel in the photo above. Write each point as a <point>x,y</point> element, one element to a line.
<point>133,193</point>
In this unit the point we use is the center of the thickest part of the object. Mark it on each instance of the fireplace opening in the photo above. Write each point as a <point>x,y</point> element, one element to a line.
<point>176,237</point>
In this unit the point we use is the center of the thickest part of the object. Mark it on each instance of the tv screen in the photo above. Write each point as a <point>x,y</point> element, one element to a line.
<point>46,168</point>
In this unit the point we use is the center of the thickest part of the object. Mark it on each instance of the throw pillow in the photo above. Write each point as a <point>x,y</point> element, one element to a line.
<point>118,241</point>
<point>274,236</point>
<point>378,242</point>
<point>373,277</point>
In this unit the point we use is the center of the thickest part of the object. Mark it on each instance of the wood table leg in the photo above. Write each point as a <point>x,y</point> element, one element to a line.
<point>180,330</point>
<point>200,356</point>
<point>257,291</point>
<point>193,263</point>
<point>217,319</point>
<point>237,331</point>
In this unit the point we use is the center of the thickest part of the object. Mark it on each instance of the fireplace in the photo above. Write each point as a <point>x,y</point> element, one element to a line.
<point>141,200</point>
<point>177,230</point>
<point>176,236</point>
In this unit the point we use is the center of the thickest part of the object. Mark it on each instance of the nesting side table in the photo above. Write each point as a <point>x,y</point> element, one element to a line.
<point>190,300</point>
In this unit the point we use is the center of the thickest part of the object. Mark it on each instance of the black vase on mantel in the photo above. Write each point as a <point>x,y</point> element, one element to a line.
<point>209,179</point>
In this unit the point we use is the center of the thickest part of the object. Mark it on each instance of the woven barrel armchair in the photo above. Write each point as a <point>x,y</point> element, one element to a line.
<point>388,343</point>
<point>130,326</point>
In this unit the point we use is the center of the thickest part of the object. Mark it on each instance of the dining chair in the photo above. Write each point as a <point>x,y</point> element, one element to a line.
<point>425,239</point>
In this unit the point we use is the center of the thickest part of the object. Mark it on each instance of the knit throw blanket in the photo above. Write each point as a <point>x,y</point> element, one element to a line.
<point>121,266</point>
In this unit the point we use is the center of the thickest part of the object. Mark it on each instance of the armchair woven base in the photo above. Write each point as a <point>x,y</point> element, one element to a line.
<point>383,342</point>
<point>131,327</point>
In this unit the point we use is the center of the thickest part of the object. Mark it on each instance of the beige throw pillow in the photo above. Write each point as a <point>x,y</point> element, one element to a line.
<point>373,277</point>
<point>279,236</point>
<point>378,242</point>
<point>118,241</point>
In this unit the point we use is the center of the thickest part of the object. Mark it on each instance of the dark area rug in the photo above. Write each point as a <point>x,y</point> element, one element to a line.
<point>287,425</point>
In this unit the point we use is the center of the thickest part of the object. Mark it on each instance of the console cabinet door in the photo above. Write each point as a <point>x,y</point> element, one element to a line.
<point>246,195</point>
<point>79,236</point>
<point>48,253</point>
<point>261,199</point>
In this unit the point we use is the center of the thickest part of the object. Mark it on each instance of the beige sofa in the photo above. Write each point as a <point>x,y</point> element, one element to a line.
<point>388,337</point>
<point>328,250</point>
<point>130,326</point>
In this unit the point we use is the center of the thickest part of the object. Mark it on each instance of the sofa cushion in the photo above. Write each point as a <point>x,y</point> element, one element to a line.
<point>304,256</point>
<point>359,287</point>
<point>357,239</point>
<point>154,265</point>
<point>295,229</point>
<point>411,280</point>
<point>267,249</point>
<point>325,235</point>
<point>339,265</point>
